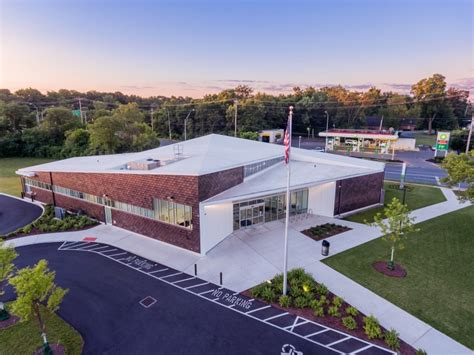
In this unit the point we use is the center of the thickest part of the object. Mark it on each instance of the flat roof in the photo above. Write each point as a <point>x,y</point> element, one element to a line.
<point>197,156</point>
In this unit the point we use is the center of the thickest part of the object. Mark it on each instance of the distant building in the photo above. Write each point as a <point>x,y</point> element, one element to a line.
<point>404,124</point>
<point>271,135</point>
<point>196,193</point>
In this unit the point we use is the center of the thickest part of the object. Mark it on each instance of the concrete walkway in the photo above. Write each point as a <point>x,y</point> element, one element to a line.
<point>251,256</point>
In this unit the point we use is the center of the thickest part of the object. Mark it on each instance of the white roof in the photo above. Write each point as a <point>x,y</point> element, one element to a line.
<point>273,180</point>
<point>355,134</point>
<point>199,156</point>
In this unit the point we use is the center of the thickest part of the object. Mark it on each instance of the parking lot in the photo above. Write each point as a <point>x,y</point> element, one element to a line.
<point>15,213</point>
<point>122,303</point>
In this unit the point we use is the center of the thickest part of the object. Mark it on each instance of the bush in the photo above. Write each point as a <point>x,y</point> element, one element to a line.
<point>301,302</point>
<point>284,301</point>
<point>349,322</point>
<point>269,295</point>
<point>352,311</point>
<point>318,311</point>
<point>322,289</point>
<point>337,301</point>
<point>391,339</point>
<point>334,311</point>
<point>421,352</point>
<point>372,328</point>
<point>27,229</point>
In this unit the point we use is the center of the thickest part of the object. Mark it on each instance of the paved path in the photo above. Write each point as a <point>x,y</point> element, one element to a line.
<point>252,256</point>
<point>16,213</point>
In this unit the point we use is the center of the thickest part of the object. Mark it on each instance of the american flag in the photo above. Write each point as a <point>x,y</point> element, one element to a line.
<point>287,142</point>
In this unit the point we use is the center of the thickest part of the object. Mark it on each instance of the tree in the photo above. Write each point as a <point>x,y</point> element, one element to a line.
<point>7,255</point>
<point>15,117</point>
<point>76,143</point>
<point>253,136</point>
<point>34,287</point>
<point>57,121</point>
<point>432,92</point>
<point>104,137</point>
<point>460,169</point>
<point>395,224</point>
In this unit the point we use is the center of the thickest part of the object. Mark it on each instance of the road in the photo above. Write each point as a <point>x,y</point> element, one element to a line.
<point>186,315</point>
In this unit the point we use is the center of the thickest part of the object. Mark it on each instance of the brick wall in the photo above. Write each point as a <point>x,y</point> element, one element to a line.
<point>358,192</point>
<point>215,183</point>
<point>139,190</point>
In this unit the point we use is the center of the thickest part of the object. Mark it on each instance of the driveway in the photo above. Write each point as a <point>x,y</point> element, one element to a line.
<point>123,304</point>
<point>16,213</point>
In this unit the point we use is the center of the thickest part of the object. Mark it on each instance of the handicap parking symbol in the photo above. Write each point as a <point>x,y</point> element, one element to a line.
<point>289,349</point>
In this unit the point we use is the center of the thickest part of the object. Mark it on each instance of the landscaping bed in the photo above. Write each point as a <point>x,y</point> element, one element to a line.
<point>47,223</point>
<point>313,301</point>
<point>325,231</point>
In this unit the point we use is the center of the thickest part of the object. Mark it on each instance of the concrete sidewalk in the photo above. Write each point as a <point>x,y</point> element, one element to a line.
<point>251,256</point>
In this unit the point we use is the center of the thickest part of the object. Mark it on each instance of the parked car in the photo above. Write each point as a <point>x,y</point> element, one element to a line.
<point>319,149</point>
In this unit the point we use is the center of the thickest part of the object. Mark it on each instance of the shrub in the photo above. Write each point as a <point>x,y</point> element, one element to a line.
<point>337,301</point>
<point>334,311</point>
<point>301,302</point>
<point>27,229</point>
<point>318,311</point>
<point>268,294</point>
<point>421,352</point>
<point>352,311</point>
<point>284,301</point>
<point>257,291</point>
<point>322,289</point>
<point>372,327</point>
<point>349,322</point>
<point>391,339</point>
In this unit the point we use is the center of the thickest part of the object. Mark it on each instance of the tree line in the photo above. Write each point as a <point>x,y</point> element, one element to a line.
<point>68,123</point>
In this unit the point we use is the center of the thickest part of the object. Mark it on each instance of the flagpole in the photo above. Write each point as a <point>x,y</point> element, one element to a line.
<point>287,219</point>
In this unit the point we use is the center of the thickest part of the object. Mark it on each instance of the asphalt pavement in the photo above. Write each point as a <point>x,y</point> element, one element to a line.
<point>15,213</point>
<point>124,304</point>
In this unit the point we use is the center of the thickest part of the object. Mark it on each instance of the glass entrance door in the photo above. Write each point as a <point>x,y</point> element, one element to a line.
<point>252,215</point>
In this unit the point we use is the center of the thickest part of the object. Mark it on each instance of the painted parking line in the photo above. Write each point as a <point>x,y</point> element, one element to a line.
<point>108,251</point>
<point>157,271</point>
<point>98,247</point>
<point>331,339</point>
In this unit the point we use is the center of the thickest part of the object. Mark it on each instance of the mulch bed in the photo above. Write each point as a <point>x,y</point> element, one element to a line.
<point>56,348</point>
<point>9,322</point>
<point>36,231</point>
<point>381,266</point>
<point>336,323</point>
<point>325,234</point>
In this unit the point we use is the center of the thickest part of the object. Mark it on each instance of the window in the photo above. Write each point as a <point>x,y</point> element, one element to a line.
<point>173,213</point>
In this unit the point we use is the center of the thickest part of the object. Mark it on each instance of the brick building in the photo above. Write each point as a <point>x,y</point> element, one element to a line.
<point>195,193</point>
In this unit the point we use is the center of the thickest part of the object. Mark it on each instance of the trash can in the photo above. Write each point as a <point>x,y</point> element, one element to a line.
<point>325,248</point>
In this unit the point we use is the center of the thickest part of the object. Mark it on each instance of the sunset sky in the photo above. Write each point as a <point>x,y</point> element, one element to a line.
<point>196,47</point>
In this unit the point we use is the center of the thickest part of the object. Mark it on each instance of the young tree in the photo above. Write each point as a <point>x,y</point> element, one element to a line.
<point>7,255</point>
<point>460,169</point>
<point>395,223</point>
<point>35,286</point>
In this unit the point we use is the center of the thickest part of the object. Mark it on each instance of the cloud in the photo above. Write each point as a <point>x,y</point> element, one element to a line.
<point>359,86</point>
<point>241,81</point>
<point>137,87</point>
<point>464,84</point>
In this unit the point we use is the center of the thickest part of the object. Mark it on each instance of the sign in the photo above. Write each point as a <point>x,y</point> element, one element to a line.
<point>442,141</point>
<point>76,113</point>
<point>289,349</point>
<point>232,299</point>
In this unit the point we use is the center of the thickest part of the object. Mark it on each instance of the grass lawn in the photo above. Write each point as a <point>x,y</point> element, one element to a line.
<point>418,197</point>
<point>439,286</point>
<point>25,338</point>
<point>9,181</point>
<point>425,139</point>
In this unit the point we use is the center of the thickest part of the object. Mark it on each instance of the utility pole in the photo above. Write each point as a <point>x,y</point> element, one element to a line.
<point>327,129</point>
<point>186,123</point>
<point>151,116</point>
<point>235,117</point>
<point>169,122</point>
<point>381,123</point>
<point>80,111</point>
<point>468,143</point>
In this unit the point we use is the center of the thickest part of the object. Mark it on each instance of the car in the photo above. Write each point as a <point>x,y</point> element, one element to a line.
<point>319,149</point>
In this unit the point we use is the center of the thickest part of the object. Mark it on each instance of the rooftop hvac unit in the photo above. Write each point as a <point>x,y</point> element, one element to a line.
<point>59,212</point>
<point>178,150</point>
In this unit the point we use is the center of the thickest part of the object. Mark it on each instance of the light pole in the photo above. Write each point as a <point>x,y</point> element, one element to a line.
<point>327,129</point>
<point>186,123</point>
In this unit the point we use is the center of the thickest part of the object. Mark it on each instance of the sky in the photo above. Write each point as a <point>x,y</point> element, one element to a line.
<point>191,48</point>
